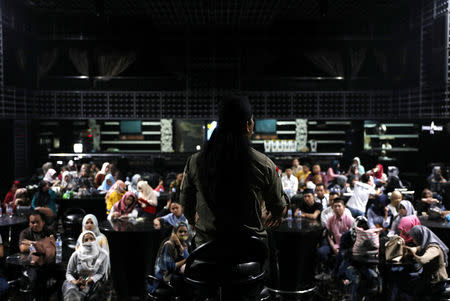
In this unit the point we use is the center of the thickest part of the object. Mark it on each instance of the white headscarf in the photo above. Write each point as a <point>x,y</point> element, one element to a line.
<point>94,221</point>
<point>90,254</point>
<point>103,170</point>
<point>49,175</point>
<point>147,193</point>
<point>64,183</point>
<point>409,207</point>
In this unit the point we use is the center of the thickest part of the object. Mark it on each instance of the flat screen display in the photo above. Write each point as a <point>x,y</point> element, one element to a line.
<point>131,127</point>
<point>266,126</point>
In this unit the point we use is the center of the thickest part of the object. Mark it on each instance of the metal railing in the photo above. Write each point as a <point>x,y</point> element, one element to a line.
<point>110,105</point>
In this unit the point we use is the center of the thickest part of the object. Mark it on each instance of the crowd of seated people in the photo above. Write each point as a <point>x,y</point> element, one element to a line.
<point>371,205</point>
<point>347,204</point>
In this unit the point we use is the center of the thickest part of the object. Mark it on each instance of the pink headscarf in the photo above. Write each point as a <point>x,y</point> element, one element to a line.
<point>406,224</point>
<point>119,186</point>
<point>121,207</point>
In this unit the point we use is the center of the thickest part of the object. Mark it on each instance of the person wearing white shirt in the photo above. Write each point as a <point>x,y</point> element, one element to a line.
<point>290,183</point>
<point>361,193</point>
<point>321,196</point>
<point>328,212</point>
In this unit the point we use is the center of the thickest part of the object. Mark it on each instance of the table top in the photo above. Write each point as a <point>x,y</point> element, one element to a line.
<point>442,224</point>
<point>6,220</point>
<point>299,225</point>
<point>24,260</point>
<point>138,225</point>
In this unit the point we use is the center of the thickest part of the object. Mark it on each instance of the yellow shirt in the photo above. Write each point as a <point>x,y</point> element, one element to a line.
<point>301,176</point>
<point>113,198</point>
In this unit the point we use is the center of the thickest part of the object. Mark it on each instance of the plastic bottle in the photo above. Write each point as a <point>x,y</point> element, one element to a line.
<point>1,211</point>
<point>9,210</point>
<point>289,215</point>
<point>58,258</point>
<point>32,248</point>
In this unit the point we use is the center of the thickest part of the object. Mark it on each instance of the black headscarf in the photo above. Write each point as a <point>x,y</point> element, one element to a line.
<point>42,197</point>
<point>379,203</point>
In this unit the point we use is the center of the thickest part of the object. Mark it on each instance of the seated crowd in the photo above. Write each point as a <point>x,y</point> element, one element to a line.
<point>361,213</point>
<point>354,207</point>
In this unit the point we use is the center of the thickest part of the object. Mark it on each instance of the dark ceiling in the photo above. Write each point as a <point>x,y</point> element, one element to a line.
<point>224,12</point>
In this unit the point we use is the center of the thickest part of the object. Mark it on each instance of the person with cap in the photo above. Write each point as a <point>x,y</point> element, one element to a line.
<point>228,155</point>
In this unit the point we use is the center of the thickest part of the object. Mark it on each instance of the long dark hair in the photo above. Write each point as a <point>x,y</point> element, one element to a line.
<point>225,166</point>
<point>42,197</point>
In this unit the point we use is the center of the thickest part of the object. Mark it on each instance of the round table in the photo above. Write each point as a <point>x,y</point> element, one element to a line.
<point>10,227</point>
<point>133,247</point>
<point>293,248</point>
<point>8,221</point>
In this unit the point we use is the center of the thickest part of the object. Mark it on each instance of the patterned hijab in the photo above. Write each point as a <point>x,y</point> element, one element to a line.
<point>122,208</point>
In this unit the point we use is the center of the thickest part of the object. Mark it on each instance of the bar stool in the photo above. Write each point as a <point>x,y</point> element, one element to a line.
<point>228,268</point>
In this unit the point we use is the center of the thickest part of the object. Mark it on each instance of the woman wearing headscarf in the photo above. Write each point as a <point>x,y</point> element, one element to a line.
<point>67,182</point>
<point>100,177</point>
<point>357,164</point>
<point>379,175</point>
<point>134,181</point>
<point>405,225</point>
<point>378,214</point>
<point>147,199</point>
<point>431,253</point>
<point>107,183</point>
<point>87,266</point>
<point>333,171</point>
<point>114,194</point>
<point>171,258</point>
<point>125,208</point>
<point>50,176</point>
<point>9,198</point>
<point>44,199</point>
<point>404,209</point>
<point>90,223</point>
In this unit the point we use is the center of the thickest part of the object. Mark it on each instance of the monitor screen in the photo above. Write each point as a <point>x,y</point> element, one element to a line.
<point>131,127</point>
<point>266,126</point>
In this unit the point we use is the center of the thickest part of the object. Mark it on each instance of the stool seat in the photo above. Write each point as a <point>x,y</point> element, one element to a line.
<point>219,264</point>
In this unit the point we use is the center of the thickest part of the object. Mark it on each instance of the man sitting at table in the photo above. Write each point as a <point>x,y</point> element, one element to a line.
<point>336,226</point>
<point>308,207</point>
<point>328,212</point>
<point>290,183</point>
<point>321,196</point>
<point>175,216</point>
<point>36,231</point>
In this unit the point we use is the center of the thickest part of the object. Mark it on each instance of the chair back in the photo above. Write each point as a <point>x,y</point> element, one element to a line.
<point>72,219</point>
<point>227,263</point>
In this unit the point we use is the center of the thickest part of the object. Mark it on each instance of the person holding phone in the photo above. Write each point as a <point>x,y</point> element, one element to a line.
<point>87,266</point>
